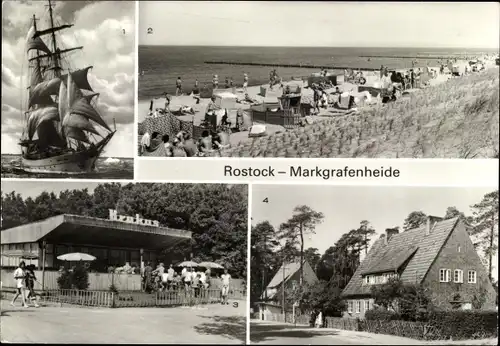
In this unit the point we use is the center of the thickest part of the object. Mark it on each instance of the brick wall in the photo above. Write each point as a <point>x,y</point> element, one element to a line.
<point>459,253</point>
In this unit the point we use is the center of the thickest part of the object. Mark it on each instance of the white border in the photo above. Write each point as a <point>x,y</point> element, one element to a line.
<point>249,248</point>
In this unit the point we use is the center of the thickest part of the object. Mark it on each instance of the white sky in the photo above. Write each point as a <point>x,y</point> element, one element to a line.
<point>342,24</point>
<point>345,207</point>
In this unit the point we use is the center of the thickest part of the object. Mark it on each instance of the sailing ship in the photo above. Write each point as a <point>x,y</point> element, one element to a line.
<point>63,130</point>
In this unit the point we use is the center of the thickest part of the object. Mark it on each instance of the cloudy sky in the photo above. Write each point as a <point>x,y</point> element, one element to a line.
<point>291,23</point>
<point>345,207</point>
<point>106,30</point>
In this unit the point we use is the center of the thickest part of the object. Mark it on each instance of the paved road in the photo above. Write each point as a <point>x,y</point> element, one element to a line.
<point>270,333</point>
<point>215,324</point>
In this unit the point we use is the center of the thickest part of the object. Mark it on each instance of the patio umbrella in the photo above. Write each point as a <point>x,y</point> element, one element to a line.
<point>75,257</point>
<point>211,265</point>
<point>188,264</point>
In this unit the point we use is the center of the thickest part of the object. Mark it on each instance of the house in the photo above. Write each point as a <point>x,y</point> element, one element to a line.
<point>439,254</point>
<point>288,275</point>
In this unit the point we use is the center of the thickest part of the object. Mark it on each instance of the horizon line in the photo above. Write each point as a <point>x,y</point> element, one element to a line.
<point>278,46</point>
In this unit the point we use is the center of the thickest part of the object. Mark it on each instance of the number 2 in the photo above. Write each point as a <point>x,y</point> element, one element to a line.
<point>150,30</point>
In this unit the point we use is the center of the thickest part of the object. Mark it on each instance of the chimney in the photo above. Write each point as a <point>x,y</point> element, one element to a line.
<point>431,221</point>
<point>389,232</point>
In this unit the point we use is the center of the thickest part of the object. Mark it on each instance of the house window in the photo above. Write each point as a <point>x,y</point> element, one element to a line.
<point>367,304</point>
<point>358,306</point>
<point>349,306</point>
<point>444,275</point>
<point>458,276</point>
<point>472,276</point>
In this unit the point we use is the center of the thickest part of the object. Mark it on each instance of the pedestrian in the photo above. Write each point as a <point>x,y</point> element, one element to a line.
<point>20,276</point>
<point>226,281</point>
<point>178,84</point>
<point>30,284</point>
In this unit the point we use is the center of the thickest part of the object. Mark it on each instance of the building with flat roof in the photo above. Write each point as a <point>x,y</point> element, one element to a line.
<point>112,241</point>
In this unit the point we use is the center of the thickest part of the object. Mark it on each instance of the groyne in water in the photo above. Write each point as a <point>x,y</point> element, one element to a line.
<point>415,57</point>
<point>319,67</point>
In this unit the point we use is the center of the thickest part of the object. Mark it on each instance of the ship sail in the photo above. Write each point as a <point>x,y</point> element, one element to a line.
<point>37,43</point>
<point>39,116</point>
<point>51,87</point>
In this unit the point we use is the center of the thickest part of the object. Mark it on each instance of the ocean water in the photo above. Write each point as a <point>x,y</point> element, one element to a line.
<point>120,170</point>
<point>159,66</point>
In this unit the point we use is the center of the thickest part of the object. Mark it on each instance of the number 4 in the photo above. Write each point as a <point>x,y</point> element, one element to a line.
<point>266,200</point>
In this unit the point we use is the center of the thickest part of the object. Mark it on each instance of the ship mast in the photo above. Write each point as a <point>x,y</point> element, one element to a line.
<point>56,57</point>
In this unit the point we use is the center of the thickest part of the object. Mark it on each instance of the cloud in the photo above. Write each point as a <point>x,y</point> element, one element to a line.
<point>106,32</point>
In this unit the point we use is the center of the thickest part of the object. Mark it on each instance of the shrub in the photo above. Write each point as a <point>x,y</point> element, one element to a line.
<point>80,278</point>
<point>382,314</point>
<point>64,280</point>
<point>465,324</point>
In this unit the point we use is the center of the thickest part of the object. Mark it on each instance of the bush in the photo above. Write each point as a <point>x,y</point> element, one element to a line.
<point>465,324</point>
<point>382,315</point>
<point>80,278</point>
<point>64,280</point>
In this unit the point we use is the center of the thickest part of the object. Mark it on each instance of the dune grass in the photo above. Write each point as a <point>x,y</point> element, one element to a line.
<point>456,119</point>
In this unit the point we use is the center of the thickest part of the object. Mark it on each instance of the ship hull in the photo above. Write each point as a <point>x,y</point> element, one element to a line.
<point>68,163</point>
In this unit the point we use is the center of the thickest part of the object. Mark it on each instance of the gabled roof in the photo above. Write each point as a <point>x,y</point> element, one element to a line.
<point>414,245</point>
<point>286,273</point>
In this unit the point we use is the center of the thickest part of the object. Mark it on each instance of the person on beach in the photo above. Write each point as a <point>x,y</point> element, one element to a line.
<point>231,84</point>
<point>245,82</point>
<point>190,146</point>
<point>167,145</point>
<point>226,281</point>
<point>196,89</point>
<point>178,84</point>
<point>381,71</point>
<point>226,83</point>
<point>215,81</point>
<point>205,142</point>
<point>178,149</point>
<point>20,276</point>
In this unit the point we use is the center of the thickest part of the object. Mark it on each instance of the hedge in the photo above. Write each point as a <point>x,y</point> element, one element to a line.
<point>464,324</point>
<point>382,315</point>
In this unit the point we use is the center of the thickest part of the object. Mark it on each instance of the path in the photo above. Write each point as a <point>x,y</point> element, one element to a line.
<point>215,324</point>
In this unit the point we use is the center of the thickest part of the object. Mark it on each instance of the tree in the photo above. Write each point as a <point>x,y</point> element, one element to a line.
<point>312,256</point>
<point>485,226</point>
<point>263,261</point>
<point>364,231</point>
<point>317,296</point>
<point>303,221</point>
<point>414,220</point>
<point>411,301</point>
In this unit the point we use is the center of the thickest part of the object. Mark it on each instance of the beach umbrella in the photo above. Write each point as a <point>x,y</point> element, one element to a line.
<point>188,264</point>
<point>76,256</point>
<point>211,265</point>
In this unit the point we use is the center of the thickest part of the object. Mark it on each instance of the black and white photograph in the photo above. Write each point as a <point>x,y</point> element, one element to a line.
<point>106,263</point>
<point>374,265</point>
<point>68,89</point>
<point>318,79</point>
